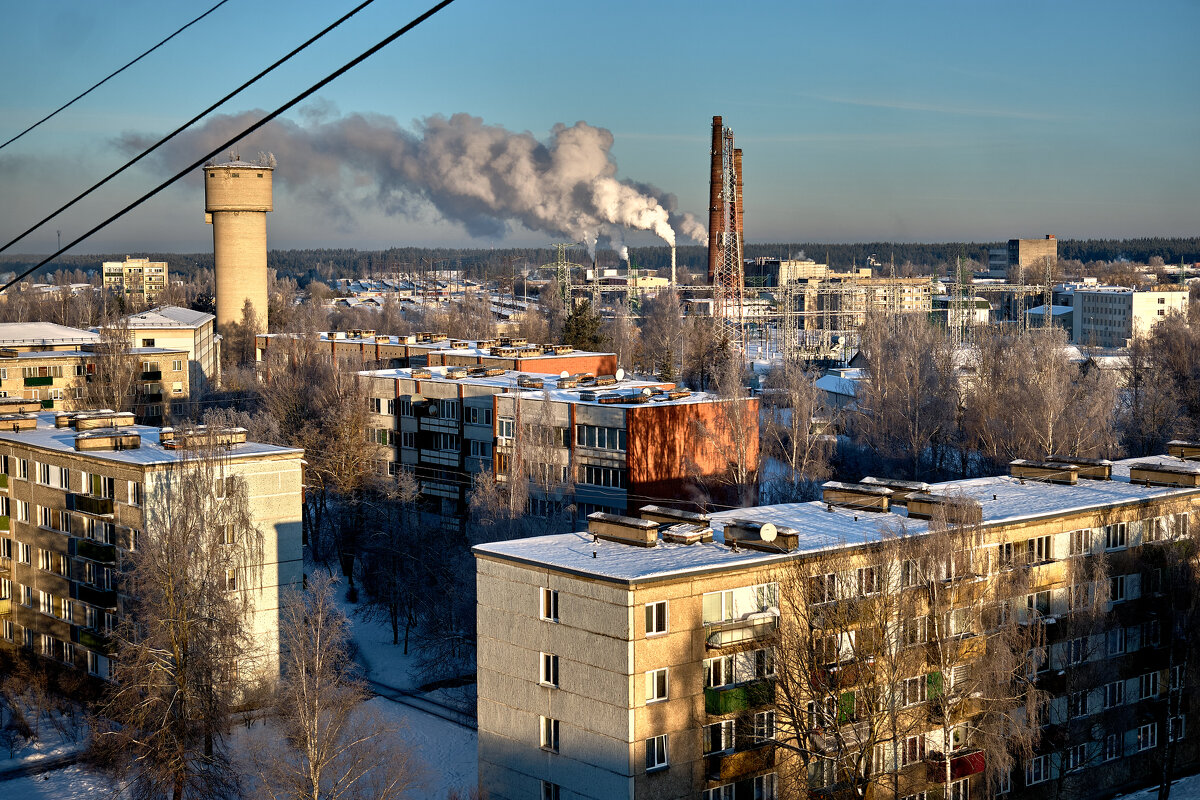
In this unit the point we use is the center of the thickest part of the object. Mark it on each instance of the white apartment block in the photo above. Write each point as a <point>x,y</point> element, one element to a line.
<point>1114,316</point>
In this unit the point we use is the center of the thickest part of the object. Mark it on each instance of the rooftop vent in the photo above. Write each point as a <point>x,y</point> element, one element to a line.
<point>503,351</point>
<point>201,436</point>
<point>107,439</point>
<point>683,533</point>
<point>584,378</point>
<point>1049,471</point>
<point>438,337</point>
<point>765,536</point>
<point>485,372</point>
<point>1095,469</point>
<point>672,516</point>
<point>1154,474</point>
<point>484,344</point>
<point>900,489</point>
<point>19,405</point>
<point>606,380</point>
<point>383,340</point>
<point>18,422</point>
<point>360,334</point>
<point>105,418</point>
<point>1189,451</point>
<point>558,349</point>
<point>455,373</point>
<point>859,496</point>
<point>955,510</point>
<point>626,530</point>
<point>568,383</point>
<point>512,341</point>
<point>527,382</point>
<point>459,344</point>
<point>421,374</point>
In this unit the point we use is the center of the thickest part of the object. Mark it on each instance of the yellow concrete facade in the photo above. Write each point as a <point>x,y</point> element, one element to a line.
<point>236,198</point>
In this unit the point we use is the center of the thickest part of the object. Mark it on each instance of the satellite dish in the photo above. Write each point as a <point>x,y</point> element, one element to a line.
<point>564,374</point>
<point>620,374</point>
<point>768,532</point>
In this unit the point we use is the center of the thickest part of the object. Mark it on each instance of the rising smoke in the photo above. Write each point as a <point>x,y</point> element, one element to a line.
<point>482,176</point>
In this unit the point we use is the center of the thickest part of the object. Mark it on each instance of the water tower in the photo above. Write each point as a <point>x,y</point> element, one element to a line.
<point>237,197</point>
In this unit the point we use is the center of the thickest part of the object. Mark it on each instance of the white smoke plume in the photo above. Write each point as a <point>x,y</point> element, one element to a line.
<point>624,254</point>
<point>482,176</point>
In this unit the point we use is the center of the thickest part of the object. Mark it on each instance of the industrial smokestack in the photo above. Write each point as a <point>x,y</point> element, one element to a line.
<point>672,266</point>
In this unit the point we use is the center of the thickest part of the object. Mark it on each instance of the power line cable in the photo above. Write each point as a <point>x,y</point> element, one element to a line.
<point>230,142</point>
<point>190,122</point>
<point>103,81</point>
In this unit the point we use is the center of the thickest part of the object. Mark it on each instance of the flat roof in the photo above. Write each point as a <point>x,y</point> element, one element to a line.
<point>1002,499</point>
<point>472,349</point>
<point>151,452</point>
<point>22,334</point>
<point>508,383</point>
<point>169,317</point>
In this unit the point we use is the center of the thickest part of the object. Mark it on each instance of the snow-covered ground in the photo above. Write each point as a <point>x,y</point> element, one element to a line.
<point>1183,789</point>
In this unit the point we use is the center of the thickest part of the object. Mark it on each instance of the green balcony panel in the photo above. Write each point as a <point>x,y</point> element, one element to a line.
<point>101,598</point>
<point>87,504</point>
<point>46,381</point>
<point>5,523</point>
<point>48,403</point>
<point>739,698</point>
<point>3,481</point>
<point>94,641</point>
<point>152,375</point>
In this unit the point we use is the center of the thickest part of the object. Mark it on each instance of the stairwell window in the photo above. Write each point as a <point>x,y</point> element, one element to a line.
<point>549,602</point>
<point>550,791</point>
<point>1114,536</point>
<point>549,734</point>
<point>656,753</point>
<point>1147,737</point>
<point>656,618</point>
<point>549,676</point>
<point>656,685</point>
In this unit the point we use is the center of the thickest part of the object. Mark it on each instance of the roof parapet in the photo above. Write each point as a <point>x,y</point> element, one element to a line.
<point>1189,451</point>
<point>859,496</point>
<point>623,530</point>
<point>1096,469</point>
<point>1050,471</point>
<point>1153,474</point>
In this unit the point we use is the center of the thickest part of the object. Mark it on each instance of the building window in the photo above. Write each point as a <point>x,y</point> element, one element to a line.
<point>1077,650</point>
<point>1038,602</point>
<point>549,670</point>
<point>408,438</point>
<point>230,579</point>
<point>600,438</point>
<point>549,605</point>
<point>147,343</point>
<point>656,753</point>
<point>1116,589</point>
<point>718,737</point>
<point>177,365</point>
<point>481,449</point>
<point>914,690</point>
<point>1176,677</point>
<point>550,791</point>
<point>1175,728</point>
<point>868,581</point>
<point>549,734</point>
<point>1148,686</point>
<point>1075,757</point>
<point>764,726</point>
<point>1114,694</point>
<point>656,618</point>
<point>1077,704</point>
<point>1114,536</point>
<point>656,685</point>
<point>1147,738</point>
<point>504,427</point>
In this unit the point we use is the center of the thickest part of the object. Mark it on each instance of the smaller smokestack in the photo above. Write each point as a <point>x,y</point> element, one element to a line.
<point>672,265</point>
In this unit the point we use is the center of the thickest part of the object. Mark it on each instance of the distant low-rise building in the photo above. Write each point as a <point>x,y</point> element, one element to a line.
<point>138,279</point>
<point>1106,316</point>
<point>1025,254</point>
<point>186,329</point>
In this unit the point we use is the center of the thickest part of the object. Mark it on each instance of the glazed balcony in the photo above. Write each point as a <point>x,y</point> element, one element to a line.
<point>89,504</point>
<point>730,632</point>
<point>45,380</point>
<point>152,375</point>
<point>101,598</point>
<point>728,700</point>
<point>93,640</point>
<point>96,551</point>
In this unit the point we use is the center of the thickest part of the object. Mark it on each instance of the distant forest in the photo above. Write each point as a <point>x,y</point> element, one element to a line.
<point>480,263</point>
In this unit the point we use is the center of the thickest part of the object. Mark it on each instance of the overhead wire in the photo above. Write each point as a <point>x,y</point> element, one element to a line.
<point>190,122</point>
<point>110,76</point>
<point>237,137</point>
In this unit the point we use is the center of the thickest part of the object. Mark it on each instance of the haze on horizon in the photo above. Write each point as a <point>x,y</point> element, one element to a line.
<point>927,121</point>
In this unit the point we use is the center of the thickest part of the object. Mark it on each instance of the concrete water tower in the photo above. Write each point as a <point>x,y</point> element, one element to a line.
<point>237,197</point>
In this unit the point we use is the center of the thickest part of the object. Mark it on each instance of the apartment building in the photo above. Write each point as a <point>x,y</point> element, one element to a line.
<point>842,301</point>
<point>183,329</point>
<point>1112,316</point>
<point>363,349</point>
<point>74,489</point>
<point>53,364</point>
<point>599,442</point>
<point>641,659</point>
<point>138,279</point>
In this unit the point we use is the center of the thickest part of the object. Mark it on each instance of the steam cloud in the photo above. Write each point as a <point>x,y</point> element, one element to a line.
<point>482,176</point>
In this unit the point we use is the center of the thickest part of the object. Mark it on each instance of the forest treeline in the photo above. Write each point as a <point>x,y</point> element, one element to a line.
<point>329,264</point>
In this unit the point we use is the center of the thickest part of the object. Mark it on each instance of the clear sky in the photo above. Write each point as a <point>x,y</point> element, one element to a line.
<point>909,121</point>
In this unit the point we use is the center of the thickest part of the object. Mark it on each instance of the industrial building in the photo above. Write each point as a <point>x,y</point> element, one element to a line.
<point>1113,316</point>
<point>641,658</point>
<point>139,280</point>
<point>1026,254</point>
<point>595,442</point>
<point>237,197</point>
<point>74,494</point>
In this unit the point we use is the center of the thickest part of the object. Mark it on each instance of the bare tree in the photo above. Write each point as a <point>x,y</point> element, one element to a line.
<point>331,747</point>
<point>114,382</point>
<point>729,434</point>
<point>183,656</point>
<point>797,433</point>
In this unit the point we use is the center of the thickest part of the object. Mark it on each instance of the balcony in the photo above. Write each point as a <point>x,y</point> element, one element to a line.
<point>48,402</point>
<point>5,607</point>
<point>728,767</point>
<point>96,551</point>
<point>93,640</point>
<point>5,523</point>
<point>961,766</point>
<point>752,628</point>
<point>87,504</point>
<point>47,380</point>
<point>152,397</point>
<point>101,598</point>
<point>152,375</point>
<point>3,482</point>
<point>719,700</point>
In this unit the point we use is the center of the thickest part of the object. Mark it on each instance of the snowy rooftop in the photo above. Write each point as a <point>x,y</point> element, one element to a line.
<point>1003,500</point>
<point>507,382</point>
<point>472,349</point>
<point>49,334</point>
<point>169,317</point>
<point>48,437</point>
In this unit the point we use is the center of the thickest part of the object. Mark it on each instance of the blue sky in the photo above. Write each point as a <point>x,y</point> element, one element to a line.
<point>913,121</point>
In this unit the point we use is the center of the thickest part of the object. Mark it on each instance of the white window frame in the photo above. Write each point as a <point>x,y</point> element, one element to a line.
<point>657,753</point>
<point>550,732</point>
<point>1147,737</point>
<point>549,670</point>
<point>548,608</point>
<point>658,686</point>
<point>658,621</point>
